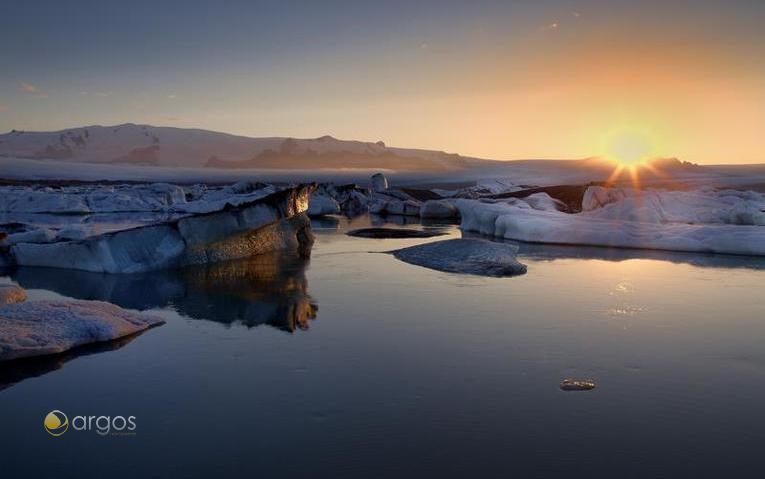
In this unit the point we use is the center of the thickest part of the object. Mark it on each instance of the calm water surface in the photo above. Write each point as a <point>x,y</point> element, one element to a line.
<point>357,365</point>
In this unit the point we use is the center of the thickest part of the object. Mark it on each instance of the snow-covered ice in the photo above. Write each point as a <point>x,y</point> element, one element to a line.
<point>706,206</point>
<point>48,327</point>
<point>704,221</point>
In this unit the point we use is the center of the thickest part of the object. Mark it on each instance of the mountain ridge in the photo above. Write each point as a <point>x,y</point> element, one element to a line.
<point>148,145</point>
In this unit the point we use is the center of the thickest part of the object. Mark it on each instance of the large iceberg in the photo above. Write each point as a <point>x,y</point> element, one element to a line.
<point>270,222</point>
<point>706,221</point>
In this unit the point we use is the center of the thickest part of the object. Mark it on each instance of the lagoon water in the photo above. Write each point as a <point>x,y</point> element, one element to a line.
<point>355,364</point>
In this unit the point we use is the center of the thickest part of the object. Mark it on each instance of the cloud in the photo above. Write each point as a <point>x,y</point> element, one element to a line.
<point>27,88</point>
<point>172,96</point>
<point>33,91</point>
<point>96,93</point>
<point>551,26</point>
<point>576,14</point>
<point>173,119</point>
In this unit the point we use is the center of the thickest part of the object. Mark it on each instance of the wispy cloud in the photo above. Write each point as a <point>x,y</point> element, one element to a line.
<point>96,93</point>
<point>27,88</point>
<point>32,90</point>
<point>173,119</point>
<point>172,96</point>
<point>551,26</point>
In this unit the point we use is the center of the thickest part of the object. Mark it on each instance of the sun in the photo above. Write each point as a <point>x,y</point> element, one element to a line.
<point>628,146</point>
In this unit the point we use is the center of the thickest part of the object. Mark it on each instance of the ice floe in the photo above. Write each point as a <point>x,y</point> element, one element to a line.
<point>471,256</point>
<point>38,328</point>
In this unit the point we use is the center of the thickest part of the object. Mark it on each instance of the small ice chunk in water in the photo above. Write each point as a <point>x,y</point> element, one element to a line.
<point>577,384</point>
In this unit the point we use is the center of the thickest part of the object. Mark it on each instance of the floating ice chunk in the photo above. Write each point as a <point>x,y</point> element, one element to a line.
<point>577,385</point>
<point>511,221</point>
<point>321,205</point>
<point>497,185</point>
<point>48,327</point>
<point>28,200</point>
<point>439,209</point>
<point>471,256</point>
<point>271,223</point>
<point>379,182</point>
<point>598,196</point>
<point>544,202</point>
<point>407,208</point>
<point>658,206</point>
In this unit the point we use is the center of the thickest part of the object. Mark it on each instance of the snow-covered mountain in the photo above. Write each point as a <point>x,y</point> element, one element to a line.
<point>166,146</point>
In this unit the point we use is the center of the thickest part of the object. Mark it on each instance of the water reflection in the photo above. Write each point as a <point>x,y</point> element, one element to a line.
<point>264,290</point>
<point>15,371</point>
<point>547,252</point>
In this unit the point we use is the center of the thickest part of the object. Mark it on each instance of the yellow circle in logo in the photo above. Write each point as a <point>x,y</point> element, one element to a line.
<point>56,423</point>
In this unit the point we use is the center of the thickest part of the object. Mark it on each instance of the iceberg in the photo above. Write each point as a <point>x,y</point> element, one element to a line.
<point>49,327</point>
<point>727,222</point>
<point>469,256</point>
<point>268,223</point>
<point>439,209</point>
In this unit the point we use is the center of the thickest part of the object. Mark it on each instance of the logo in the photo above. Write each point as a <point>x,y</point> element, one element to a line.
<point>56,423</point>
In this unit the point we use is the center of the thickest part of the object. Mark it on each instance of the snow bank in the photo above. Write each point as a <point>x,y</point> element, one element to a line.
<point>709,222</point>
<point>48,327</point>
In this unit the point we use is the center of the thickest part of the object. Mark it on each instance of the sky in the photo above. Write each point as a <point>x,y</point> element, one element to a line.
<point>491,79</point>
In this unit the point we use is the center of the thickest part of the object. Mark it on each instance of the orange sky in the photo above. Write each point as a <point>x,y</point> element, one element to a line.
<point>493,79</point>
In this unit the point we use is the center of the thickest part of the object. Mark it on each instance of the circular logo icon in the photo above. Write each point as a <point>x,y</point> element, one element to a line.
<point>56,423</point>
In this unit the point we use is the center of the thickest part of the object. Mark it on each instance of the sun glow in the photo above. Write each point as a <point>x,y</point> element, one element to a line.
<point>631,149</point>
<point>627,146</point>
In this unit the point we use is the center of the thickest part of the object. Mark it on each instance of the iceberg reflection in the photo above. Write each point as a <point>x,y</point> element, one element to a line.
<point>263,290</point>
